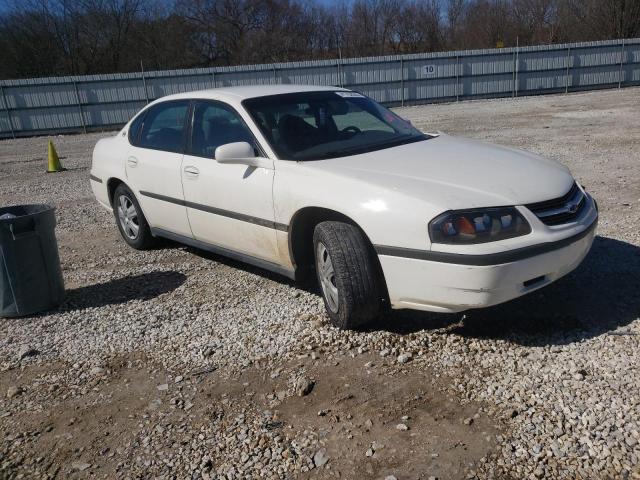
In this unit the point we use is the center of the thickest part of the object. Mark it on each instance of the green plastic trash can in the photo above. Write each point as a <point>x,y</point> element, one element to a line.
<point>30,275</point>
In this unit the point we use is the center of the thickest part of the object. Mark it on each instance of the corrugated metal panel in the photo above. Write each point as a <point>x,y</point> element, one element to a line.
<point>49,105</point>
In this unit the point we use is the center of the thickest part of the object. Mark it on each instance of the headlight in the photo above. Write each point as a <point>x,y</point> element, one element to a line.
<point>478,225</point>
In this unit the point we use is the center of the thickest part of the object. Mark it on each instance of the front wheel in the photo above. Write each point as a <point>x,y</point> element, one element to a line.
<point>131,222</point>
<point>347,274</point>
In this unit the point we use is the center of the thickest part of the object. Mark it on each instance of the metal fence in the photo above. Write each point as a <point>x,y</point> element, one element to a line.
<point>93,102</point>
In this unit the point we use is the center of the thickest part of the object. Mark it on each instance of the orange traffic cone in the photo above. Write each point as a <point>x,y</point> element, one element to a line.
<point>54,161</point>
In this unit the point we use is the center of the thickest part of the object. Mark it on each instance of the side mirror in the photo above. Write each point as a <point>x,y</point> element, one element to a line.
<point>241,153</point>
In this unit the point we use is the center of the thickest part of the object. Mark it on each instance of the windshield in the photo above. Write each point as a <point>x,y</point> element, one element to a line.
<point>319,125</point>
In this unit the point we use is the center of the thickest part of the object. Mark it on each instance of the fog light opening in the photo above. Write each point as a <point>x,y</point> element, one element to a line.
<point>534,281</point>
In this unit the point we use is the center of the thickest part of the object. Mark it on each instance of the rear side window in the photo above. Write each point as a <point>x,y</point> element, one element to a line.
<point>164,126</point>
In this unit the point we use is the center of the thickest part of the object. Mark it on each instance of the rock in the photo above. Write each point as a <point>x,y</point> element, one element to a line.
<point>320,458</point>
<point>163,388</point>
<point>404,357</point>
<point>370,452</point>
<point>377,446</point>
<point>13,391</point>
<point>80,466</point>
<point>402,427</point>
<point>97,371</point>
<point>390,477</point>
<point>27,351</point>
<point>468,421</point>
<point>304,386</point>
<point>179,378</point>
<point>538,472</point>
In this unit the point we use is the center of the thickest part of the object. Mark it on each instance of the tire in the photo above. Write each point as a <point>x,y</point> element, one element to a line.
<point>355,279</point>
<point>133,226</point>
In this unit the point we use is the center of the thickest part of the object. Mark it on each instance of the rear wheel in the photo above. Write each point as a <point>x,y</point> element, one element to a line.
<point>347,274</point>
<point>131,222</point>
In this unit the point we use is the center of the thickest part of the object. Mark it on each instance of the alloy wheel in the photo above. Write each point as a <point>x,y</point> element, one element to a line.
<point>327,277</point>
<point>128,216</point>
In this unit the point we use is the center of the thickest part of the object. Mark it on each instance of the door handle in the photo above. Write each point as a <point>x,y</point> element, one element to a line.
<point>132,161</point>
<point>191,171</point>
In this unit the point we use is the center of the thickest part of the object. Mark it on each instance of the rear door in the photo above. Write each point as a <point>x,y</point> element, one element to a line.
<point>154,166</point>
<point>229,206</point>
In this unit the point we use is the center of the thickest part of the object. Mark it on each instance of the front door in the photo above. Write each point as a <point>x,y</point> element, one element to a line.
<point>229,206</point>
<point>154,166</point>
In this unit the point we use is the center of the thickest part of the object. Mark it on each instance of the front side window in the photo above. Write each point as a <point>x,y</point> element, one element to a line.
<point>319,125</point>
<point>216,124</point>
<point>163,127</point>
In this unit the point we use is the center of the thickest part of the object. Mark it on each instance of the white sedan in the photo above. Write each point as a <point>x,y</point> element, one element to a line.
<point>297,179</point>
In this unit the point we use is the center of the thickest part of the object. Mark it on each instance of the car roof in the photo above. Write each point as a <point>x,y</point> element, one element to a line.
<point>250,91</point>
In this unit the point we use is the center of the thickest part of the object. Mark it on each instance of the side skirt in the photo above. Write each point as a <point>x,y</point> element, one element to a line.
<point>241,257</point>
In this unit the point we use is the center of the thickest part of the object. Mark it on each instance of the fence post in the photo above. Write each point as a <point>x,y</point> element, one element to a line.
<point>339,74</point>
<point>275,75</point>
<point>457,78</point>
<point>213,78</point>
<point>6,108</point>
<point>566,77</point>
<point>621,63</point>
<point>401,81</point>
<point>144,83</point>
<point>513,76</point>
<point>84,126</point>
<point>517,63</point>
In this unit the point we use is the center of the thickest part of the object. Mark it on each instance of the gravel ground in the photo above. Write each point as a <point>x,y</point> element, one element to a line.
<point>174,363</point>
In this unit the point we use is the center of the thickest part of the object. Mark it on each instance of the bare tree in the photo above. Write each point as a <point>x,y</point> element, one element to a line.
<point>599,19</point>
<point>418,28</point>
<point>59,37</point>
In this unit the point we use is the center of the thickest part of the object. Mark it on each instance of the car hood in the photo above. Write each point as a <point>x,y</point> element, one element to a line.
<point>453,172</point>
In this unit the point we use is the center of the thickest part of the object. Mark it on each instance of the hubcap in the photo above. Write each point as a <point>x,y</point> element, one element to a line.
<point>327,277</point>
<point>128,216</point>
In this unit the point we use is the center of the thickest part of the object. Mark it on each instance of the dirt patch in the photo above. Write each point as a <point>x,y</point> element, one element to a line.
<point>355,406</point>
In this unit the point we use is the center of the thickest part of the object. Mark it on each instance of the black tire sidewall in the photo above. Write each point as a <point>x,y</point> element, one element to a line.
<point>340,317</point>
<point>352,312</point>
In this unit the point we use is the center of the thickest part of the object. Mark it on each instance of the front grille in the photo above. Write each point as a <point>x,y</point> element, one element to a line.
<point>560,210</point>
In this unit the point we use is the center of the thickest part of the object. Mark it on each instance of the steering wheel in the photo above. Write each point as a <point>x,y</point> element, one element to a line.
<point>351,128</point>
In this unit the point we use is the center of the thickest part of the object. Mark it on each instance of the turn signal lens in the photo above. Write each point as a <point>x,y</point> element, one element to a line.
<point>478,226</point>
<point>464,226</point>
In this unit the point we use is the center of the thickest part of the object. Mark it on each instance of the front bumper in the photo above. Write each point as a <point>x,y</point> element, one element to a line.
<point>459,283</point>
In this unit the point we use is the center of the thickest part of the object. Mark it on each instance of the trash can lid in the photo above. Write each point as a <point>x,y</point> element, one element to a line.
<point>17,211</point>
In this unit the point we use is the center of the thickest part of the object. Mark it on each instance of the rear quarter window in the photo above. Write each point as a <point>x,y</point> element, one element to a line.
<point>134,128</point>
